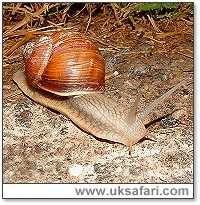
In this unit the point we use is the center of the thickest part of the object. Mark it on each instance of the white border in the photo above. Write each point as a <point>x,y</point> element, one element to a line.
<point>123,191</point>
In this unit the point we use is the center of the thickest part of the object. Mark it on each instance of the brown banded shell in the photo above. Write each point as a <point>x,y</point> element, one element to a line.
<point>65,64</point>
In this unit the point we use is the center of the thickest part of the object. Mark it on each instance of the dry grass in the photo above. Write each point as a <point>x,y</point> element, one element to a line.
<point>111,25</point>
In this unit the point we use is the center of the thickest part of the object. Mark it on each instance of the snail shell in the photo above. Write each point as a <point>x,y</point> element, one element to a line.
<point>65,64</point>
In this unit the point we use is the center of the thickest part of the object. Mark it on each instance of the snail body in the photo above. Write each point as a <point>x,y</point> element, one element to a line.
<point>94,113</point>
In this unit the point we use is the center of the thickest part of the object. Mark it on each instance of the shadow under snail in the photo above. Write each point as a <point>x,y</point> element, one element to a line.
<point>69,71</point>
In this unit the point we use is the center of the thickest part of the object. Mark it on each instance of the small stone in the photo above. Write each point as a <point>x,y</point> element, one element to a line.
<point>75,170</point>
<point>169,122</point>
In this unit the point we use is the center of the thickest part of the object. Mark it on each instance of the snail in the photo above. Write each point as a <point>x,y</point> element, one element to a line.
<point>66,72</point>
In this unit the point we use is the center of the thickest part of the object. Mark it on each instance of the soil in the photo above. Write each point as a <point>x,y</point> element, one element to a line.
<point>43,146</point>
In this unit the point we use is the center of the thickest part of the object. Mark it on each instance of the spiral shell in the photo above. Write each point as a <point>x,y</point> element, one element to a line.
<point>65,64</point>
